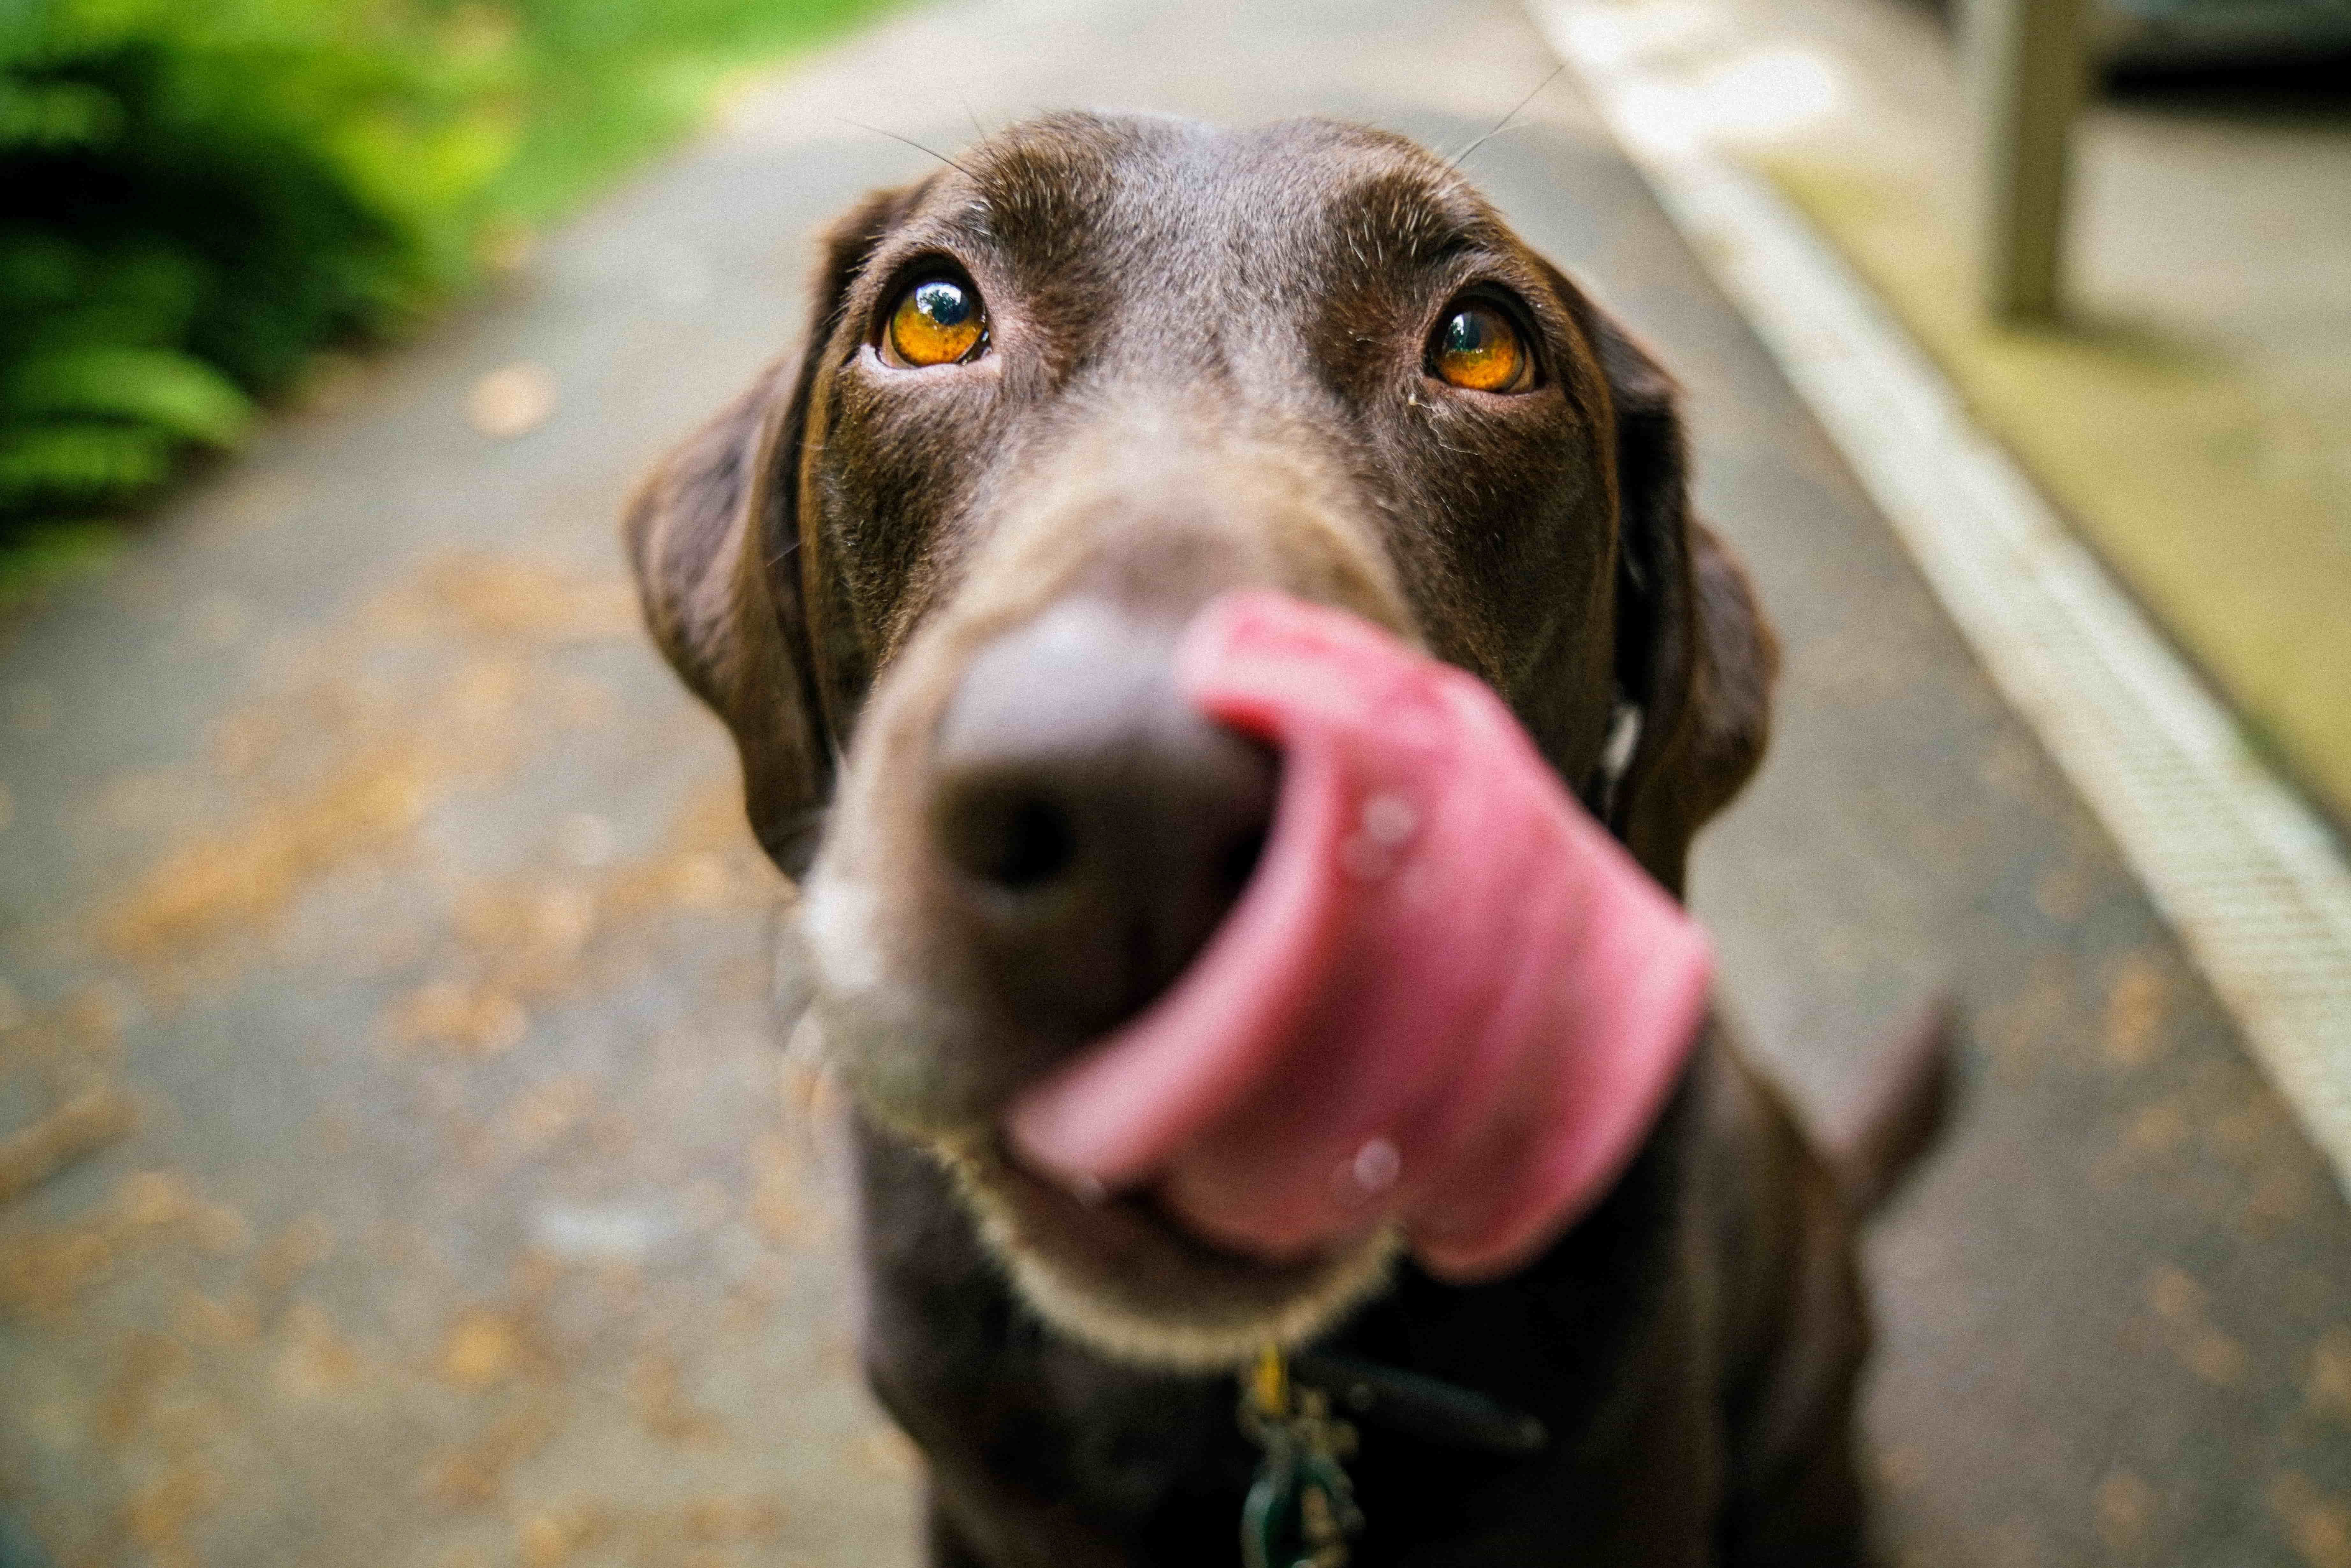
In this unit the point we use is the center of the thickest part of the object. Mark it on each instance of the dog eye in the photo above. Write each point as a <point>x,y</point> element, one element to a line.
<point>1478,348</point>
<point>937,322</point>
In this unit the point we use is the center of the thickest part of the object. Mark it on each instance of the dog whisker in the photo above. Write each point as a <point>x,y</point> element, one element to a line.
<point>911,143</point>
<point>1453,162</point>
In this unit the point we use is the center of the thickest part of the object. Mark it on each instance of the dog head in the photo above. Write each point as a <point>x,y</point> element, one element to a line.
<point>931,572</point>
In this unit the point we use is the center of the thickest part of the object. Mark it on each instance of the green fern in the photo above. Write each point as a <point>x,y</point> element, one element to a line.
<point>55,114</point>
<point>79,464</point>
<point>178,395</point>
<point>183,228</point>
<point>197,196</point>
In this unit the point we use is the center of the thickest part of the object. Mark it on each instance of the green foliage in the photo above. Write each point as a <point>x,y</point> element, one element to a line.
<point>197,198</point>
<point>198,195</point>
<point>46,553</point>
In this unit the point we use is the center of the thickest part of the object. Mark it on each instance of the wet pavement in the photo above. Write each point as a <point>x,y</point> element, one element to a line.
<point>377,913</point>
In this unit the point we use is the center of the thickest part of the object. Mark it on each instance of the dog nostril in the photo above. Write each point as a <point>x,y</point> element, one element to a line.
<point>1239,863</point>
<point>1091,828</point>
<point>1037,845</point>
<point>1016,840</point>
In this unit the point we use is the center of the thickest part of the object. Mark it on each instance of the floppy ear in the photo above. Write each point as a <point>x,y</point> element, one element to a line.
<point>729,579</point>
<point>1695,658</point>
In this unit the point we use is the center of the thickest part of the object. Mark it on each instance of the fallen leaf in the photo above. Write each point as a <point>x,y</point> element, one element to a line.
<point>511,401</point>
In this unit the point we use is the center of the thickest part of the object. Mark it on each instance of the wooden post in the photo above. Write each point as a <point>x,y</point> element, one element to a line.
<point>2024,60</point>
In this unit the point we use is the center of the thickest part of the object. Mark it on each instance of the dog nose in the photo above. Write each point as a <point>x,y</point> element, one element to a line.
<point>1095,827</point>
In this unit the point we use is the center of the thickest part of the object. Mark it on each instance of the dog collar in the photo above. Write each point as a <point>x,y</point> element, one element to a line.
<point>1419,1406</point>
<point>1300,1507</point>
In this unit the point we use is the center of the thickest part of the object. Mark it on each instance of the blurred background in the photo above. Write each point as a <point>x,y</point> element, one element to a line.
<point>400,1161</point>
<point>207,205</point>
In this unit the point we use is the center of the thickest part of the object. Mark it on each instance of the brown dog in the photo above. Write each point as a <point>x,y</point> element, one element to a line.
<point>929,573</point>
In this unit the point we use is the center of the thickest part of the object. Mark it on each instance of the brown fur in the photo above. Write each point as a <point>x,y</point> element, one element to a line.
<point>1206,371</point>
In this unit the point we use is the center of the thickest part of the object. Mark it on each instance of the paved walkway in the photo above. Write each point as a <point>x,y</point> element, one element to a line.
<point>360,849</point>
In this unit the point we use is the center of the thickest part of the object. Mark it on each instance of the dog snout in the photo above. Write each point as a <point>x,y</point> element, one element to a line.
<point>1094,827</point>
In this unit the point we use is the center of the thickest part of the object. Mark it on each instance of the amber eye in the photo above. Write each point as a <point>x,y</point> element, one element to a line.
<point>1478,348</point>
<point>937,322</point>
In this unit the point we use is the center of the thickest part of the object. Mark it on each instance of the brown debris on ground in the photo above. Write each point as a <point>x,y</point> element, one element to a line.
<point>482,595</point>
<point>484,1348</point>
<point>46,1274</point>
<point>244,879</point>
<point>83,1124</point>
<point>236,1376</point>
<point>475,1474</point>
<point>334,785</point>
<point>658,1396</point>
<point>515,943</point>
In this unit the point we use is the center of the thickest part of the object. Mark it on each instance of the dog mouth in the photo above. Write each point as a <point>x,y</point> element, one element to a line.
<point>1118,1270</point>
<point>1166,825</point>
<point>1446,1001</point>
<point>1121,1273</point>
<point>1443,1002</point>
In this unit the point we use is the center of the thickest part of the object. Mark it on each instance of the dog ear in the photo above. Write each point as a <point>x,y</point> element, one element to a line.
<point>729,582</point>
<point>1695,658</point>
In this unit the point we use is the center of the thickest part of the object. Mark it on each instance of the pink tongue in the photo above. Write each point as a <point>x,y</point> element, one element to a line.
<point>1447,996</point>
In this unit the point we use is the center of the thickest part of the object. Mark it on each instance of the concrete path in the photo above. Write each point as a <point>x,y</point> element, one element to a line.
<point>362,856</point>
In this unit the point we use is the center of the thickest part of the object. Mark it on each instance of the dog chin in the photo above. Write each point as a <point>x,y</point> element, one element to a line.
<point>1116,1275</point>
